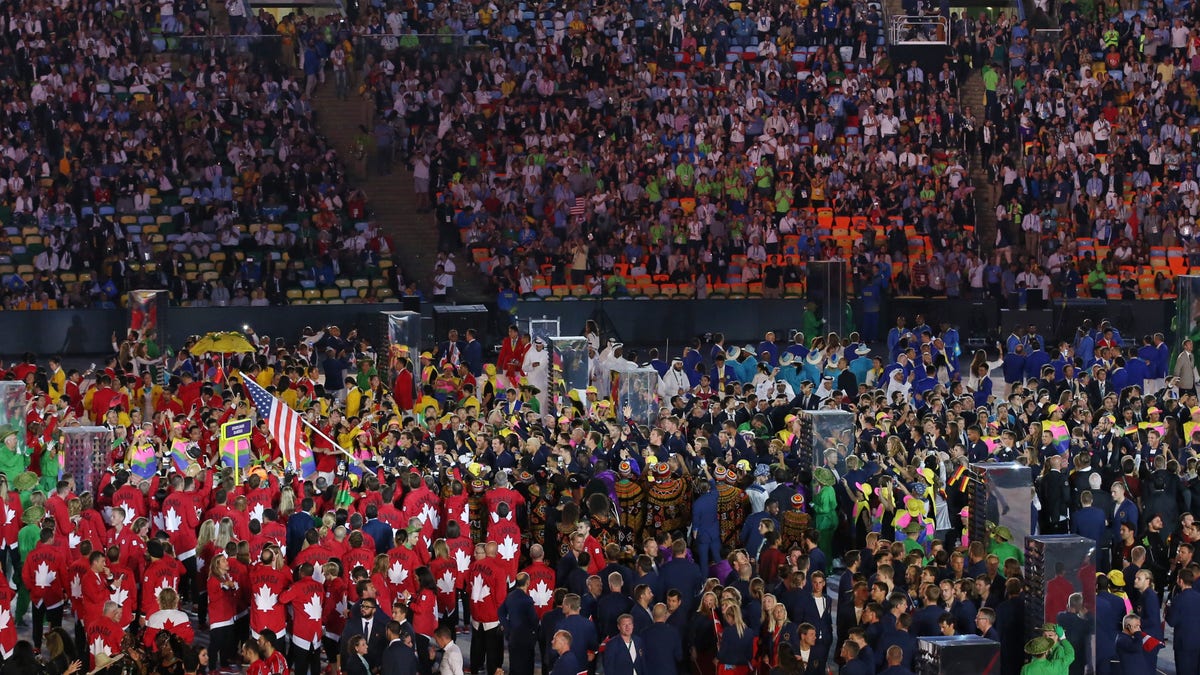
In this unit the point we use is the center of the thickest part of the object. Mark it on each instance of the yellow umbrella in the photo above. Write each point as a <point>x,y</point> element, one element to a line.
<point>223,343</point>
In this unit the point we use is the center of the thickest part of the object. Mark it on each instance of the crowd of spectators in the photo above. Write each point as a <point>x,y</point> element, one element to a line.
<point>142,149</point>
<point>1088,140</point>
<point>727,145</point>
<point>692,144</point>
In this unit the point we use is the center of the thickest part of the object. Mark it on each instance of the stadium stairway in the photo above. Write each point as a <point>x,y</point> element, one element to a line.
<point>391,200</point>
<point>971,95</point>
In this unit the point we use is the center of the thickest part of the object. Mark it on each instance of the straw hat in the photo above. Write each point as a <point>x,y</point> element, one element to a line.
<point>34,514</point>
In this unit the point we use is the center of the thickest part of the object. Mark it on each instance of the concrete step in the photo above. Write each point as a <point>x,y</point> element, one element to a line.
<point>391,200</point>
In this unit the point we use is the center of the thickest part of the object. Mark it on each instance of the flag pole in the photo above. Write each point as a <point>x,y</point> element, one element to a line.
<point>332,442</point>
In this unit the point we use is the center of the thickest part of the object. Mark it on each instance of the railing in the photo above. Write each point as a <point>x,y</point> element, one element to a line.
<point>920,30</point>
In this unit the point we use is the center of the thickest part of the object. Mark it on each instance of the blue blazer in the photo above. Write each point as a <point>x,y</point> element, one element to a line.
<point>1181,614</point>
<point>617,660</point>
<point>567,664</point>
<point>1135,660</point>
<point>1089,522</point>
<point>1127,512</point>
<point>664,650</point>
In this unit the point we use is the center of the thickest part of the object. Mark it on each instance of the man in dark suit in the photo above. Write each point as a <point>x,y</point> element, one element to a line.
<point>925,620</point>
<point>682,575</point>
<point>473,353</point>
<point>816,608</point>
<point>1182,610</point>
<point>400,657</point>
<point>369,624</point>
<point>452,348</point>
<point>897,637</point>
<point>1089,521</point>
<point>854,665</point>
<point>565,663</point>
<point>1055,492</point>
<point>625,653</point>
<point>664,650</point>
<point>518,619</point>
<point>583,632</point>
<point>611,606</point>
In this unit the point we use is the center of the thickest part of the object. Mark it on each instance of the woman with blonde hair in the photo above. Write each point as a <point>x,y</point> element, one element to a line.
<point>379,579</point>
<point>735,643</point>
<point>448,580</point>
<point>779,630</point>
<point>223,605</point>
<point>287,502</point>
<point>703,630</point>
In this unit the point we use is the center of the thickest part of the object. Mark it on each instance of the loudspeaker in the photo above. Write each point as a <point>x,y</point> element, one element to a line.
<point>827,288</point>
<point>462,317</point>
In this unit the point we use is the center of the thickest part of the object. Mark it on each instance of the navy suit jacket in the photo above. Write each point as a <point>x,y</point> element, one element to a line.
<point>617,660</point>
<point>1089,522</point>
<point>1181,614</point>
<point>1127,512</point>
<point>664,650</point>
<point>684,576</point>
<point>823,622</point>
<point>1135,660</point>
<point>567,664</point>
<point>925,621</point>
<point>519,618</point>
<point>376,641</point>
<point>856,667</point>
<point>399,659</point>
<point>382,533</point>
<point>1110,610</point>
<point>902,639</point>
<point>583,636</point>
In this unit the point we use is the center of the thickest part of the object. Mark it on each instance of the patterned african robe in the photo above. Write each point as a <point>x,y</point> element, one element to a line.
<point>478,517</point>
<point>668,507</point>
<point>793,527</point>
<point>732,505</point>
<point>631,501</point>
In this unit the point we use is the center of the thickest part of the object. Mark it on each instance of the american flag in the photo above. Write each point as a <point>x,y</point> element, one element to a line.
<point>284,425</point>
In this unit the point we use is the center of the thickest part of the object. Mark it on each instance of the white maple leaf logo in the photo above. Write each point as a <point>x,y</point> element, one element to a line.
<point>5,619</point>
<point>542,594</point>
<point>445,583</point>
<point>76,588</point>
<point>98,647</point>
<point>74,540</point>
<point>119,596</point>
<point>172,521</point>
<point>9,515</point>
<point>312,608</point>
<point>342,608</point>
<point>479,590</point>
<point>397,574</point>
<point>264,599</point>
<point>462,560</point>
<point>256,513</point>
<point>508,548</point>
<point>465,516</point>
<point>44,576</point>
<point>430,515</point>
<point>160,522</point>
<point>130,514</point>
<point>166,583</point>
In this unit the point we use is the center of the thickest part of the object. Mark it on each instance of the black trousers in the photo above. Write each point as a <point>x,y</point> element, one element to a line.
<point>520,655</point>
<point>305,661</point>
<point>40,614</point>
<point>222,647</point>
<point>487,650</point>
